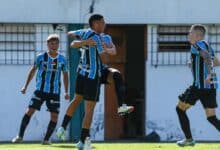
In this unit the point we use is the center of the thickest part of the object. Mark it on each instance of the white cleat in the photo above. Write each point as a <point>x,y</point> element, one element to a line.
<point>61,133</point>
<point>17,139</point>
<point>124,109</point>
<point>87,145</point>
<point>186,142</point>
<point>80,145</point>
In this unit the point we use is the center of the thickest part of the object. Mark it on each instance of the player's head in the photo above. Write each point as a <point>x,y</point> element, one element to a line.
<point>97,23</point>
<point>53,42</point>
<point>197,32</point>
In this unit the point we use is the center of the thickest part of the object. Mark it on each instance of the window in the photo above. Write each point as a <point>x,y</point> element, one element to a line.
<point>17,43</point>
<point>20,43</point>
<point>173,38</point>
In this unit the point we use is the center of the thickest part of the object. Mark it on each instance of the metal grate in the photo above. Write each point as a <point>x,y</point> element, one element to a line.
<point>20,43</point>
<point>169,45</point>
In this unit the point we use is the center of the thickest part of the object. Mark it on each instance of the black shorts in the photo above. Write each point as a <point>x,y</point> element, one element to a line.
<point>88,88</point>
<point>104,75</point>
<point>206,96</point>
<point>52,101</point>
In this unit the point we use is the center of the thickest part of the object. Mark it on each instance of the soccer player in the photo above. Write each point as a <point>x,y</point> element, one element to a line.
<point>203,87</point>
<point>85,42</point>
<point>49,66</point>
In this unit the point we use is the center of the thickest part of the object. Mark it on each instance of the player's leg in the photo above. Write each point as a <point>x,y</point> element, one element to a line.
<point>35,104</point>
<point>87,120</point>
<point>115,77</point>
<point>186,100</point>
<point>209,103</point>
<point>51,127</point>
<point>24,123</point>
<point>67,117</point>
<point>211,117</point>
<point>71,109</point>
<point>72,106</point>
<point>91,96</point>
<point>53,105</point>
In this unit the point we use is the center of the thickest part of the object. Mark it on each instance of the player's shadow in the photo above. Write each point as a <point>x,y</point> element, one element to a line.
<point>64,146</point>
<point>67,146</point>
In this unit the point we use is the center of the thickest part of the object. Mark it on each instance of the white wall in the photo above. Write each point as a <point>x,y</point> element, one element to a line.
<point>39,11</point>
<point>157,11</point>
<point>115,11</point>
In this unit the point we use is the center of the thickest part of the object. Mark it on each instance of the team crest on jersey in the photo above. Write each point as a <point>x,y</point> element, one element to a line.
<point>53,63</point>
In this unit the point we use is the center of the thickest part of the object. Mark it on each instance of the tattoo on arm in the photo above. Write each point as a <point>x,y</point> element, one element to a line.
<point>207,59</point>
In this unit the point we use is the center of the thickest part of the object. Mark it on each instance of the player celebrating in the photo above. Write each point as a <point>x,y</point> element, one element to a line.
<point>108,75</point>
<point>49,66</point>
<point>203,87</point>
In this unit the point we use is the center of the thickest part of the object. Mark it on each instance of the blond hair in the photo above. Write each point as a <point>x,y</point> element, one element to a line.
<point>53,37</point>
<point>199,28</point>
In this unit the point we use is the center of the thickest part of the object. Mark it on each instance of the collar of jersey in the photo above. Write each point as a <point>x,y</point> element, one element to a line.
<point>51,56</point>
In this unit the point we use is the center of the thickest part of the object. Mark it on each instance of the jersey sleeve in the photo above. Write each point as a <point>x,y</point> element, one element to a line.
<point>107,39</point>
<point>37,61</point>
<point>201,45</point>
<point>65,65</point>
<point>99,44</point>
<point>78,33</point>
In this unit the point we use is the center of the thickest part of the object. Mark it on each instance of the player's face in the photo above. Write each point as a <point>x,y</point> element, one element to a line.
<point>99,25</point>
<point>53,45</point>
<point>193,36</point>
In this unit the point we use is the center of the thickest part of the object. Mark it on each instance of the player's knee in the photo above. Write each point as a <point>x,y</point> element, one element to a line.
<point>54,117</point>
<point>30,112</point>
<point>117,77</point>
<point>78,98</point>
<point>180,110</point>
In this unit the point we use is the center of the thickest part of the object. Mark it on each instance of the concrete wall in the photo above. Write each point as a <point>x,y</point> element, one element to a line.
<point>115,11</point>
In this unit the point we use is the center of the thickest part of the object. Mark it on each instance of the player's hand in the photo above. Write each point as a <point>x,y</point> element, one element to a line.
<point>208,80</point>
<point>189,64</point>
<point>66,96</point>
<point>90,42</point>
<point>23,90</point>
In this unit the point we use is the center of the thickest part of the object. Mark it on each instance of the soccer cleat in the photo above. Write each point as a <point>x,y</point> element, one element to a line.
<point>17,139</point>
<point>124,109</point>
<point>61,133</point>
<point>87,145</point>
<point>80,145</point>
<point>46,143</point>
<point>186,142</point>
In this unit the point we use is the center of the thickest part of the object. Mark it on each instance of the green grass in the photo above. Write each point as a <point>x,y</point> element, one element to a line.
<point>112,146</point>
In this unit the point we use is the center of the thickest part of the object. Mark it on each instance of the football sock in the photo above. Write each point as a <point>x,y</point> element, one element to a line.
<point>184,122</point>
<point>84,134</point>
<point>215,122</point>
<point>24,123</point>
<point>50,129</point>
<point>66,120</point>
<point>119,87</point>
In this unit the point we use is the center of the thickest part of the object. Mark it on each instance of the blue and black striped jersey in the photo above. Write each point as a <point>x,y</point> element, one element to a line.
<point>90,62</point>
<point>49,72</point>
<point>199,68</point>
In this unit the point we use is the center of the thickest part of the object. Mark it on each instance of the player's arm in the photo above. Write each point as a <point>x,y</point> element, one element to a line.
<point>66,84</point>
<point>110,49</point>
<point>81,43</point>
<point>31,74</point>
<point>208,61</point>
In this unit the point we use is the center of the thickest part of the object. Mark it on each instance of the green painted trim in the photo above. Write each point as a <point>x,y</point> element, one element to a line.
<point>76,121</point>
